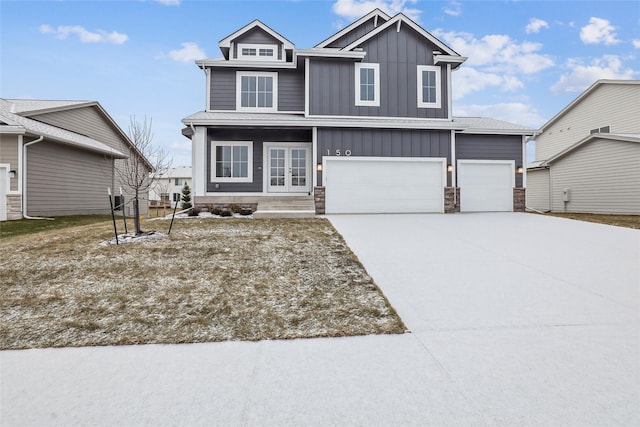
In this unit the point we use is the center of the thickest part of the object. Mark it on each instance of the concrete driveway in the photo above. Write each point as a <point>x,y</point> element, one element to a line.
<point>515,319</point>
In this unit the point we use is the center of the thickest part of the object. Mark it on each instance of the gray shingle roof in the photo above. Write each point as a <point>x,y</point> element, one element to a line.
<point>19,106</point>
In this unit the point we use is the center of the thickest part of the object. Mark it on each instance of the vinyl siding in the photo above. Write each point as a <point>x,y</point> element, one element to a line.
<point>383,143</point>
<point>290,89</point>
<point>490,147</point>
<point>538,190</point>
<point>9,154</point>
<point>603,176</point>
<point>62,180</point>
<point>399,54</point>
<point>615,105</point>
<point>258,136</point>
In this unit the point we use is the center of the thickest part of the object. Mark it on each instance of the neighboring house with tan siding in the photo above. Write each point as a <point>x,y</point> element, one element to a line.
<point>588,155</point>
<point>59,158</point>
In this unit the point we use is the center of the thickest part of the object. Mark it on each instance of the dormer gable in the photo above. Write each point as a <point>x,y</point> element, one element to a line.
<point>355,30</point>
<point>442,53</point>
<point>256,42</point>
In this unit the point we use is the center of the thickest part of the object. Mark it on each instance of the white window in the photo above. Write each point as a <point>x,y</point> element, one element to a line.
<point>258,52</point>
<point>368,84</point>
<point>256,91</point>
<point>429,87</point>
<point>231,161</point>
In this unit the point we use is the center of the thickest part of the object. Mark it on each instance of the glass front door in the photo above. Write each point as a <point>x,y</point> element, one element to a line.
<point>288,170</point>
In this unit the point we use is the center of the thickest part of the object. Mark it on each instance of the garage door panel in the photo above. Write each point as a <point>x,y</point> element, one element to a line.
<point>486,186</point>
<point>366,185</point>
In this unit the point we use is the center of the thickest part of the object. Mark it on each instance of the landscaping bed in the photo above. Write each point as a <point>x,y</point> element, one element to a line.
<point>210,280</point>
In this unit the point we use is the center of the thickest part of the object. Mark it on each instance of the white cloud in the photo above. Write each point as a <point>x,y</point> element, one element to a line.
<point>636,44</point>
<point>169,2</point>
<point>598,31</point>
<point>514,112</point>
<point>189,52</point>
<point>353,9</point>
<point>535,25</point>
<point>468,80</point>
<point>583,75</point>
<point>85,36</point>
<point>454,8</point>
<point>497,52</point>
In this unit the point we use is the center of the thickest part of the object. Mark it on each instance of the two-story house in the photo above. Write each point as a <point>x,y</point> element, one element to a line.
<point>362,122</point>
<point>588,155</point>
<point>167,188</point>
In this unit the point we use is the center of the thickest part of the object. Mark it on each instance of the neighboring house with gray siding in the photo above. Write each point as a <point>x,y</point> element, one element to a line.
<point>59,158</point>
<point>588,155</point>
<point>361,122</point>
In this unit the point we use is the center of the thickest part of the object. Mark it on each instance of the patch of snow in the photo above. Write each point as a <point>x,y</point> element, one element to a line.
<point>132,238</point>
<point>203,214</point>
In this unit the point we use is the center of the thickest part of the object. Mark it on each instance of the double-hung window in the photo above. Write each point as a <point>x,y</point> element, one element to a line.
<point>256,91</point>
<point>429,87</point>
<point>231,161</point>
<point>367,84</point>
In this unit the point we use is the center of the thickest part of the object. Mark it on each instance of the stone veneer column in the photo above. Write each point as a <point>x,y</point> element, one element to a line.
<point>451,203</point>
<point>14,206</point>
<point>319,198</point>
<point>519,199</point>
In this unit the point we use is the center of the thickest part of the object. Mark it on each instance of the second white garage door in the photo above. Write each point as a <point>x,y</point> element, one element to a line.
<point>486,186</point>
<point>384,185</point>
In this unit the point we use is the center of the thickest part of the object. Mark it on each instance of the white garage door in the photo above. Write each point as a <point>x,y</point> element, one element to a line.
<point>384,185</point>
<point>486,186</point>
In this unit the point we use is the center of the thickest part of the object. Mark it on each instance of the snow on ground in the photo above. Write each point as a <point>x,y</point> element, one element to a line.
<point>516,319</point>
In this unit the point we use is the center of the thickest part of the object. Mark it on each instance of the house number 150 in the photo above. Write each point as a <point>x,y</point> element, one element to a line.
<point>339,153</point>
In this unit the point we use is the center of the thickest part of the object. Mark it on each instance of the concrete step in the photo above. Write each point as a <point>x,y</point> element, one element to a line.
<point>294,207</point>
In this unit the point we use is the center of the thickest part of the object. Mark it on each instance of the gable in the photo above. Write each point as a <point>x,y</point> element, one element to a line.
<point>355,30</point>
<point>405,46</point>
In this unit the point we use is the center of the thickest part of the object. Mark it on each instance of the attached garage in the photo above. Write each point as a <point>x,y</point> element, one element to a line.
<point>486,185</point>
<point>384,184</point>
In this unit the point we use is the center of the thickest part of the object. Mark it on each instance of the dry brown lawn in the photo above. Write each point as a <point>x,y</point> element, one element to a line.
<point>629,221</point>
<point>210,280</point>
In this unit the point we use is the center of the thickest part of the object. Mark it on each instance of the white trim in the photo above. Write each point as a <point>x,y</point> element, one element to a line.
<point>20,144</point>
<point>453,162</point>
<point>226,42</point>
<point>374,13</point>
<point>376,81</point>
<point>524,162</point>
<point>232,63</point>
<point>248,178</point>
<point>438,77</point>
<point>314,155</point>
<point>329,53</point>
<point>257,57</point>
<point>449,93</point>
<point>512,163</point>
<point>274,101</point>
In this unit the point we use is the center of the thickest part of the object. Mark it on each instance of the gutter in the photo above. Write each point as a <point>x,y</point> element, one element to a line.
<point>24,180</point>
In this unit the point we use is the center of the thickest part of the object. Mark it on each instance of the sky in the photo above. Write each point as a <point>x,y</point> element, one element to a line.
<point>527,59</point>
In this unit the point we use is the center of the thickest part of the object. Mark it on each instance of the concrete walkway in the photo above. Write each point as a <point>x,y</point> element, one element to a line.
<point>516,319</point>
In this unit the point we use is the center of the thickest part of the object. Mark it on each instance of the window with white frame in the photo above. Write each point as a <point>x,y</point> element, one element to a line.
<point>231,161</point>
<point>367,84</point>
<point>429,87</point>
<point>256,91</point>
<point>258,52</point>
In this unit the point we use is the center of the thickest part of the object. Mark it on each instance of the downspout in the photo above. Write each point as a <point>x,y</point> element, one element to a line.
<point>24,180</point>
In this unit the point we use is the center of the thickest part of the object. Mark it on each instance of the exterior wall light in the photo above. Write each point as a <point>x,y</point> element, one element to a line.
<point>12,174</point>
<point>449,168</point>
<point>319,167</point>
<point>519,169</point>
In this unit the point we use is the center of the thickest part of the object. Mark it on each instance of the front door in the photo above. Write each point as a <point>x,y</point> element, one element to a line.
<point>288,169</point>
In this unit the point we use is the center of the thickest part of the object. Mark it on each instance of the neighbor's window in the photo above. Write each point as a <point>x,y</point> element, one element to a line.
<point>429,87</point>
<point>257,91</point>
<point>368,84</point>
<point>232,161</point>
<point>258,52</point>
<point>178,181</point>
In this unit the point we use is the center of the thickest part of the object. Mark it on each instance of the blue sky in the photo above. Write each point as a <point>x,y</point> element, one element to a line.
<point>527,59</point>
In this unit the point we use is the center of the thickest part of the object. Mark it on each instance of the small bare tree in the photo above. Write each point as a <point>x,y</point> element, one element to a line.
<point>145,163</point>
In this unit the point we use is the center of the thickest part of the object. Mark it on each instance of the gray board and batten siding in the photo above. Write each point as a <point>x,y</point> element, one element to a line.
<point>332,90</point>
<point>490,147</point>
<point>290,89</point>
<point>383,143</point>
<point>258,136</point>
<point>256,36</point>
<point>356,33</point>
<point>62,180</point>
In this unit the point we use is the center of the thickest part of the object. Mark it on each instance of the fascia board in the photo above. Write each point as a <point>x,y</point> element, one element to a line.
<point>352,26</point>
<point>588,139</point>
<point>226,42</point>
<point>394,21</point>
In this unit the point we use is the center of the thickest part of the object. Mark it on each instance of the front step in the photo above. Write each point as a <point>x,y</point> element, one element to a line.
<point>286,207</point>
